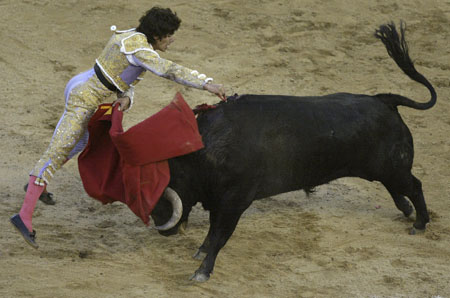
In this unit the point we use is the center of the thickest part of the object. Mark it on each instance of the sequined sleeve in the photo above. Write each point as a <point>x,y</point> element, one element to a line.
<point>170,70</point>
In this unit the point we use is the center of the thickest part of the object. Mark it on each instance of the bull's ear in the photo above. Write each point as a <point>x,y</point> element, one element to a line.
<point>177,207</point>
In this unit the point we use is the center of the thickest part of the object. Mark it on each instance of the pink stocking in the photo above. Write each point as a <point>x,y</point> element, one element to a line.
<point>33,193</point>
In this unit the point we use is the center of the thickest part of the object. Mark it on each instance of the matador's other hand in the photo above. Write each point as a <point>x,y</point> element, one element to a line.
<point>124,103</point>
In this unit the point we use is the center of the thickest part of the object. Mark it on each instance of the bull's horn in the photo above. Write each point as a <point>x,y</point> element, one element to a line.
<point>177,207</point>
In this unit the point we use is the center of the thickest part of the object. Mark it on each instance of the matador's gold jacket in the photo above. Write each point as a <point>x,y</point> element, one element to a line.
<point>125,58</point>
<point>128,55</point>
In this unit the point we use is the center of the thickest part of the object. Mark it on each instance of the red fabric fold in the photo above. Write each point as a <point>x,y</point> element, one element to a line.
<point>132,167</point>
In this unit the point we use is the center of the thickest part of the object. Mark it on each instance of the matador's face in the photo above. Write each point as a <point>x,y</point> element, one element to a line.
<point>161,44</point>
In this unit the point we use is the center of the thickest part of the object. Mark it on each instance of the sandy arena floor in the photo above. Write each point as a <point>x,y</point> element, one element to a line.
<point>346,240</point>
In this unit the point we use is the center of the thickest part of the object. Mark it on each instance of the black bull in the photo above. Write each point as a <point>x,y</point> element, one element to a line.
<point>258,146</point>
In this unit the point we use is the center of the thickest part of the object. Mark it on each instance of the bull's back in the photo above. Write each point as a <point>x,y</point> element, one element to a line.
<point>286,143</point>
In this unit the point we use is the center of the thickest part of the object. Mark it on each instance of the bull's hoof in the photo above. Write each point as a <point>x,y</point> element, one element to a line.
<point>414,231</point>
<point>199,277</point>
<point>199,255</point>
<point>419,225</point>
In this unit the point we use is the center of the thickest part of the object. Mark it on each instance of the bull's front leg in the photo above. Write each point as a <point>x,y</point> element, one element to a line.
<point>203,249</point>
<point>222,227</point>
<point>200,254</point>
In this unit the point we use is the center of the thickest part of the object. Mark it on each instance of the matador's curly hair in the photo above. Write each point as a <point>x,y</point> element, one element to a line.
<point>158,22</point>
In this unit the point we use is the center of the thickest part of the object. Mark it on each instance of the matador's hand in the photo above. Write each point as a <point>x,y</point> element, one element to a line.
<point>217,89</point>
<point>124,103</point>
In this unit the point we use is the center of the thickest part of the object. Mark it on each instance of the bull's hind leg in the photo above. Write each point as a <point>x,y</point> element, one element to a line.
<point>401,202</point>
<point>418,200</point>
<point>411,187</point>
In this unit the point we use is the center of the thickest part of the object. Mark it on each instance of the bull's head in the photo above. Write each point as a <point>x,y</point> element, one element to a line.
<point>167,213</point>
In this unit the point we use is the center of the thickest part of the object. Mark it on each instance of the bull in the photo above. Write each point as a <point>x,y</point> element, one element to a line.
<point>258,146</point>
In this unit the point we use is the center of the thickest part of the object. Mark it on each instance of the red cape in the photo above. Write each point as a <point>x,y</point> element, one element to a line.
<point>132,167</point>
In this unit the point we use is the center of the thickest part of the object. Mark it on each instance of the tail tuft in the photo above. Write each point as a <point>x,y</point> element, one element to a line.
<point>397,48</point>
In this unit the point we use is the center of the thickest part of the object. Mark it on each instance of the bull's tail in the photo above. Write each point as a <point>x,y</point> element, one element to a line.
<point>397,49</point>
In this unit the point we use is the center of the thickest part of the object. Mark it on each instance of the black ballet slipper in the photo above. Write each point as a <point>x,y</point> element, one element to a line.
<point>30,238</point>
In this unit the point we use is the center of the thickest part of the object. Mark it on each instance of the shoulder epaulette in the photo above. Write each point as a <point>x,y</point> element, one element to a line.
<point>134,43</point>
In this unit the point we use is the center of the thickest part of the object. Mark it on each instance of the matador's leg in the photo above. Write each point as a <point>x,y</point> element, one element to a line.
<point>70,129</point>
<point>81,102</point>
